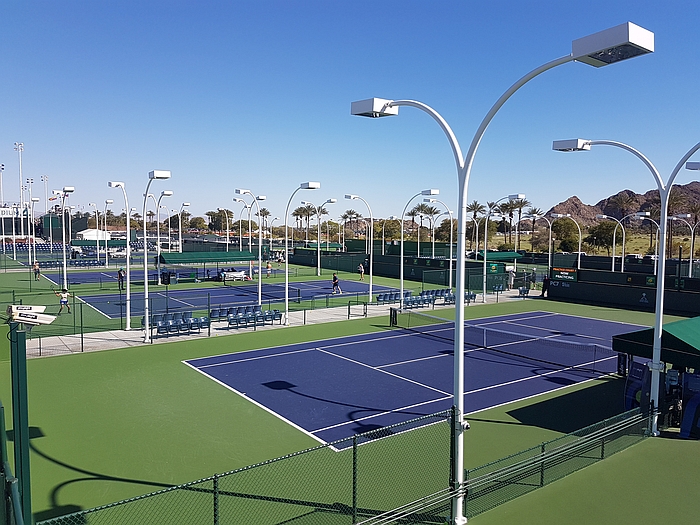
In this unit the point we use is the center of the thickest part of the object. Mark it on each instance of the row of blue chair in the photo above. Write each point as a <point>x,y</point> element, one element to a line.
<point>418,302</point>
<point>450,298</point>
<point>392,297</point>
<point>442,292</point>
<point>258,318</point>
<point>222,314</point>
<point>176,323</point>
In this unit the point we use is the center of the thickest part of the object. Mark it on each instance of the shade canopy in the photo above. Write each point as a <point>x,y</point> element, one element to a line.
<point>680,343</point>
<point>498,256</point>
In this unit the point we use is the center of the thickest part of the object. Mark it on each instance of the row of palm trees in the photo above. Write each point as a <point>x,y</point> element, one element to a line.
<point>506,209</point>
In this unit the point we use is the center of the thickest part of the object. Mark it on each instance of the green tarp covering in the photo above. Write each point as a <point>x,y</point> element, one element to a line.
<point>498,256</point>
<point>324,246</point>
<point>679,343</point>
<point>206,257</point>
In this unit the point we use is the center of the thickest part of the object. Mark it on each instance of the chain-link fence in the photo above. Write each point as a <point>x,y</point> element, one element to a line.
<point>394,474</point>
<point>491,485</point>
<point>10,505</point>
<point>341,483</point>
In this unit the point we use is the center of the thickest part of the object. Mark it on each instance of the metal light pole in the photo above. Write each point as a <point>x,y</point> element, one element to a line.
<point>33,202</point>
<point>255,201</point>
<point>19,148</point>
<point>2,203</point>
<point>664,192</point>
<point>318,221</point>
<point>580,236</point>
<point>118,184</point>
<point>549,245</point>
<point>606,47</point>
<point>97,230</point>
<point>167,216</point>
<point>302,186</point>
<point>271,223</point>
<point>108,202</point>
<point>389,218</point>
<point>614,241</point>
<point>64,193</point>
<point>240,221</point>
<point>511,197</point>
<point>371,241</point>
<point>152,175</point>
<point>227,227</point>
<point>45,180</point>
<point>31,256</point>
<point>179,226</point>
<point>449,211</point>
<point>164,193</point>
<point>403,214</point>
<point>683,218</point>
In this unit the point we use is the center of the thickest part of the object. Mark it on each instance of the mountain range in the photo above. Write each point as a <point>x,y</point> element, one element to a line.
<point>684,199</point>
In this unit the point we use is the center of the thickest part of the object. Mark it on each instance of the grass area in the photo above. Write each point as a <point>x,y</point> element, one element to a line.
<point>115,424</point>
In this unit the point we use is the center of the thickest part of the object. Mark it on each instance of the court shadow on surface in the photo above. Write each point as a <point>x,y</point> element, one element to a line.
<point>575,410</point>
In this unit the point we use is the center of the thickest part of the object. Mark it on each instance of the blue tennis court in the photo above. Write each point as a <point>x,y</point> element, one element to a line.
<point>172,299</point>
<point>335,388</point>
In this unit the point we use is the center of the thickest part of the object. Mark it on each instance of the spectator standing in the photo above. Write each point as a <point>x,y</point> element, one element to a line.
<point>121,274</point>
<point>336,284</point>
<point>361,269</point>
<point>37,271</point>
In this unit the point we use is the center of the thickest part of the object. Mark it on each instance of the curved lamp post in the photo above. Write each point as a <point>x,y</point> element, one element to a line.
<point>34,200</point>
<point>512,197</point>
<point>549,224</point>
<point>240,221</point>
<point>122,186</point>
<point>179,225</point>
<point>403,215</point>
<point>664,192</point>
<point>389,218</point>
<point>250,236</point>
<point>318,220</point>
<point>164,193</point>
<point>371,240</point>
<point>64,193</point>
<point>302,186</point>
<point>556,216</point>
<point>227,225</point>
<point>271,223</point>
<point>97,229</point>
<point>152,175</point>
<point>683,218</point>
<point>602,48</point>
<point>449,211</point>
<point>108,202</point>
<point>624,243</point>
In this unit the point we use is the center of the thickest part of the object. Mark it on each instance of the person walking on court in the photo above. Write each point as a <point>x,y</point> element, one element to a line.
<point>120,278</point>
<point>336,284</point>
<point>63,295</point>
<point>545,285</point>
<point>361,269</point>
<point>269,269</point>
<point>37,271</point>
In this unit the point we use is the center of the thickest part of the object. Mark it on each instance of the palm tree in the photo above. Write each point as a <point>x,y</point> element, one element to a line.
<point>475,208</point>
<point>298,214</point>
<point>519,204</point>
<point>623,202</point>
<point>508,208</point>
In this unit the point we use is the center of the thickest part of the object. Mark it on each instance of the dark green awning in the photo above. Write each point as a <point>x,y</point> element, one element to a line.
<point>680,343</point>
<point>207,257</point>
<point>498,256</point>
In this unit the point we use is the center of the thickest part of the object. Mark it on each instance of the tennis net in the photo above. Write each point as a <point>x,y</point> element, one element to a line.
<point>269,291</point>
<point>541,345</point>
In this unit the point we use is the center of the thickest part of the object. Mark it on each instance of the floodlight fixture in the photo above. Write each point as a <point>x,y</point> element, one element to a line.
<point>374,108</point>
<point>430,192</point>
<point>240,191</point>
<point>571,145</point>
<point>116,184</point>
<point>560,215</point>
<point>166,193</point>
<point>159,174</point>
<point>612,45</point>
<point>68,189</point>
<point>109,201</point>
<point>683,216</point>
<point>601,216</point>
<point>692,165</point>
<point>516,196</point>
<point>310,185</point>
<point>642,214</point>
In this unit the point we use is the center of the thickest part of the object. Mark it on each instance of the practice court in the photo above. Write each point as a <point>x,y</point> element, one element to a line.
<point>335,388</point>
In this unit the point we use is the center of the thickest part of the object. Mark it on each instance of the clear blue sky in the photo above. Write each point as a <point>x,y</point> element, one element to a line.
<point>257,94</point>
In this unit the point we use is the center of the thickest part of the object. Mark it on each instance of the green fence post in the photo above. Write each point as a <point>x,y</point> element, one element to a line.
<point>542,451</point>
<point>216,499</point>
<point>20,415</point>
<point>82,342</point>
<point>207,314</point>
<point>354,479</point>
<point>73,314</point>
<point>121,311</point>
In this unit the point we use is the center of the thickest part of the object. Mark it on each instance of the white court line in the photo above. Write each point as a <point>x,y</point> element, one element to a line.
<point>393,410</point>
<point>253,358</point>
<point>384,372</point>
<point>260,405</point>
<point>168,298</point>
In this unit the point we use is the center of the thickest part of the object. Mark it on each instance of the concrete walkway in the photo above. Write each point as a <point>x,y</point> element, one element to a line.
<point>96,341</point>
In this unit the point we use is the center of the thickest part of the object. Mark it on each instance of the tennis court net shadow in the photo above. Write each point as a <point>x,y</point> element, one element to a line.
<point>571,411</point>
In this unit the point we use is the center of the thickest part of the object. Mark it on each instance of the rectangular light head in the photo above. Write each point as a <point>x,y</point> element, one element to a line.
<point>310,185</point>
<point>166,193</point>
<point>115,184</point>
<point>683,216</point>
<point>350,197</point>
<point>571,145</point>
<point>35,199</point>
<point>599,216</point>
<point>429,200</point>
<point>332,201</point>
<point>430,192</point>
<point>692,165</point>
<point>516,196</point>
<point>261,198</point>
<point>185,204</point>
<point>68,189</point>
<point>374,108</point>
<point>109,201</point>
<point>240,191</point>
<point>159,174</point>
<point>613,45</point>
<point>642,214</point>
